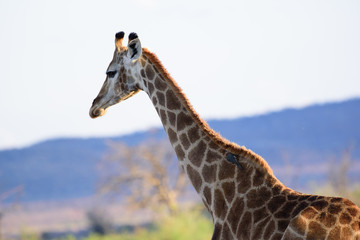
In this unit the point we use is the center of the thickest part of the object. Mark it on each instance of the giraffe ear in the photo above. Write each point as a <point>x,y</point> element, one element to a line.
<point>134,47</point>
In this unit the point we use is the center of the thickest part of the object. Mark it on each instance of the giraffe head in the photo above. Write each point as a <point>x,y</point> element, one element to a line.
<point>122,75</point>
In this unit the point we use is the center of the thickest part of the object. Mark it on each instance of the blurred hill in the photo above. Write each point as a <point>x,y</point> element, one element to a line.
<point>300,145</point>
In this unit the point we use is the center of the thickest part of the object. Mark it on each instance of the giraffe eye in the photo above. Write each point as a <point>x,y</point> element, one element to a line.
<point>110,74</point>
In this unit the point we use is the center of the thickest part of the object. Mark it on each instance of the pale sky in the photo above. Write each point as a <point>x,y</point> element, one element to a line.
<point>232,58</point>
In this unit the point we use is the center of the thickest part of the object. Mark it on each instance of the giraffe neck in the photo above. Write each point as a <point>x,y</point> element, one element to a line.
<point>202,153</point>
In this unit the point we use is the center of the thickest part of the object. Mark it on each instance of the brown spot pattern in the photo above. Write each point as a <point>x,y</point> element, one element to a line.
<point>292,197</point>
<point>160,84</point>
<point>258,231</point>
<point>180,153</point>
<point>260,214</point>
<point>269,229</point>
<point>194,178</point>
<point>312,198</point>
<point>227,170</point>
<point>172,102</point>
<point>244,227</point>
<point>183,120</point>
<point>258,178</point>
<point>345,233</point>
<point>309,213</point>
<point>276,189</point>
<point>352,211</point>
<point>335,233</point>
<point>276,236</point>
<point>161,98</point>
<point>172,118</point>
<point>229,190</point>
<point>213,146</point>
<point>150,72</point>
<point>154,101</point>
<point>244,183</point>
<point>345,218</point>
<point>298,225</point>
<point>220,207</point>
<point>172,136</point>
<point>235,213</point>
<point>301,206</point>
<point>212,156</point>
<point>275,203</point>
<point>327,219</point>
<point>150,88</point>
<point>334,209</point>
<point>163,116</point>
<point>142,73</point>
<point>335,200</point>
<point>193,134</point>
<point>285,211</point>
<point>209,173</point>
<point>257,197</point>
<point>226,233</point>
<point>304,197</point>
<point>319,205</point>
<point>356,225</point>
<point>184,141</point>
<point>217,231</point>
<point>197,154</point>
<point>282,225</point>
<point>348,202</point>
<point>207,195</point>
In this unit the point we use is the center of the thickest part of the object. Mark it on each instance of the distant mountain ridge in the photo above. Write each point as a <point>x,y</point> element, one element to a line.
<point>303,139</point>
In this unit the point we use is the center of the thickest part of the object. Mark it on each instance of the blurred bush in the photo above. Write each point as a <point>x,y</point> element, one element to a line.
<point>147,175</point>
<point>186,225</point>
<point>99,222</point>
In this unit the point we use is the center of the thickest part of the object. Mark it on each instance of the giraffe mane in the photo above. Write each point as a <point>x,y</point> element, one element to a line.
<point>232,147</point>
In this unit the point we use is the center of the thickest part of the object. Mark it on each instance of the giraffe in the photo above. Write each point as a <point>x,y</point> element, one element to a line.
<point>237,186</point>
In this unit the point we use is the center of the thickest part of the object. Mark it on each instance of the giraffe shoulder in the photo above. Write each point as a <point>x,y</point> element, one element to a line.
<point>297,225</point>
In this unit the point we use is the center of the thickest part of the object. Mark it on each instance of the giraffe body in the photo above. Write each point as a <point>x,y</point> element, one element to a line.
<point>237,186</point>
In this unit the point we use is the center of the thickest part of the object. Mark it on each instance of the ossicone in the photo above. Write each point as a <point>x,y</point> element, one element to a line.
<point>119,37</point>
<point>132,36</point>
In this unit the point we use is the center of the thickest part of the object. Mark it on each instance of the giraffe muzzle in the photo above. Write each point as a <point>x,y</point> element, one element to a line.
<point>96,112</point>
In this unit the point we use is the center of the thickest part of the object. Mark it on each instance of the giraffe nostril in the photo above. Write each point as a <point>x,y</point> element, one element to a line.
<point>94,113</point>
